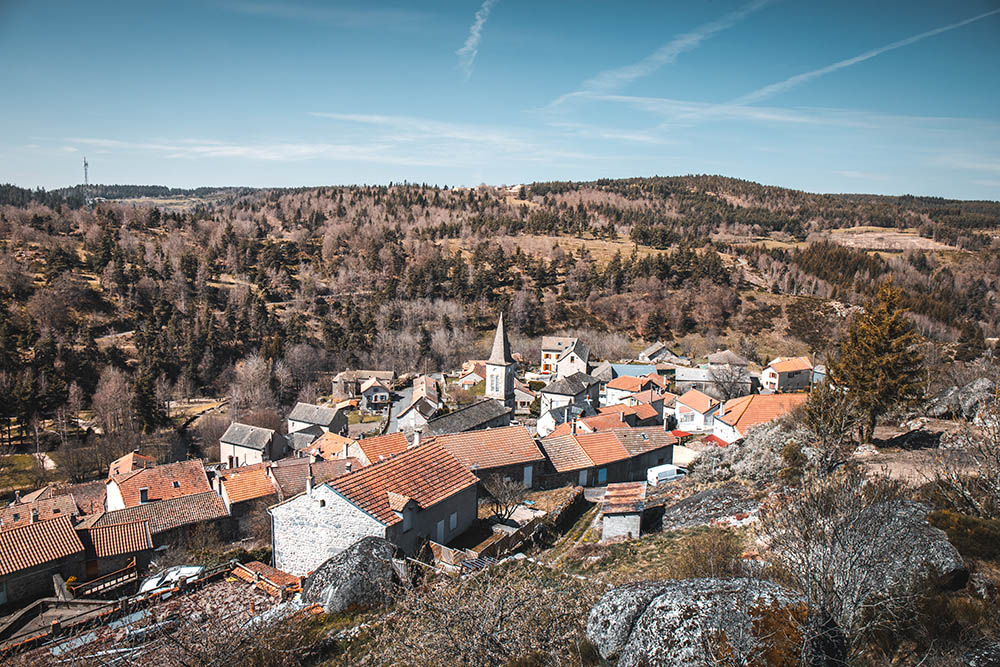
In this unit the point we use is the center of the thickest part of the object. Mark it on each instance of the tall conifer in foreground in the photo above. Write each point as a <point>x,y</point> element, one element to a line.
<point>880,363</point>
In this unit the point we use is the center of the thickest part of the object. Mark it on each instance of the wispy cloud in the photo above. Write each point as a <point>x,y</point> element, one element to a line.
<point>360,16</point>
<point>805,77</point>
<point>616,79</point>
<point>467,54</point>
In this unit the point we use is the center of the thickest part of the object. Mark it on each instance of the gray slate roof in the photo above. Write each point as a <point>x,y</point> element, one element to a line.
<point>244,435</point>
<point>313,414</point>
<point>604,372</point>
<point>581,349</point>
<point>571,385</point>
<point>304,438</point>
<point>500,355</point>
<point>726,358</point>
<point>468,418</point>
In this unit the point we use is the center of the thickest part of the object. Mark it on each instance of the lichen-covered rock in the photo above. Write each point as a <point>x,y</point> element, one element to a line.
<point>984,656</point>
<point>913,554</point>
<point>360,576</point>
<point>693,622</point>
<point>757,458</point>
<point>709,506</point>
<point>965,401</point>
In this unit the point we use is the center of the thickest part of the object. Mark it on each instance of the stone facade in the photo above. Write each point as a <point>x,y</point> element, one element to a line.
<point>312,527</point>
<point>621,525</point>
<point>34,583</point>
<point>435,522</point>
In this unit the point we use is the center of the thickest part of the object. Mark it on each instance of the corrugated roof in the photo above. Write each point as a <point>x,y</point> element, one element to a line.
<point>166,514</point>
<point>116,539</point>
<point>492,448</point>
<point>163,482</point>
<point>244,435</point>
<point>427,474</point>
<point>37,543</point>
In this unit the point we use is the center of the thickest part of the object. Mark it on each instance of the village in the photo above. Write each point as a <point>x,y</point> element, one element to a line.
<point>453,487</point>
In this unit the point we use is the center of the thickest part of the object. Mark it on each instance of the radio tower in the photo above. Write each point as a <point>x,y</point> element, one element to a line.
<point>85,166</point>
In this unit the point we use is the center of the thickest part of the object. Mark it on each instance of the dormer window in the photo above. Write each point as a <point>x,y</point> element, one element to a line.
<point>177,485</point>
<point>144,495</point>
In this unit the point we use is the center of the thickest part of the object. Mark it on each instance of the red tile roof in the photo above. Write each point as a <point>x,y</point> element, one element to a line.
<point>328,446</point>
<point>585,450</point>
<point>715,440</point>
<point>269,579</point>
<point>629,383</point>
<point>697,400</point>
<point>165,514</point>
<point>89,496</point>
<point>37,543</point>
<point>247,483</point>
<point>129,462</point>
<point>383,446</point>
<point>491,448</point>
<point>624,498</point>
<point>747,411</point>
<point>291,474</point>
<point>46,509</point>
<point>791,364</point>
<point>427,474</point>
<point>116,539</point>
<point>172,480</point>
<point>565,453</point>
<point>602,448</point>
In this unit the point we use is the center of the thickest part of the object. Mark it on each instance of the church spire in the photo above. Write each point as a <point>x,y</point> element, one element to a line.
<point>500,355</point>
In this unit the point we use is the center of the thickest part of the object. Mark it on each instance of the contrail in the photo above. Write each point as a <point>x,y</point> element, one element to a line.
<point>467,54</point>
<point>798,79</point>
<point>615,79</point>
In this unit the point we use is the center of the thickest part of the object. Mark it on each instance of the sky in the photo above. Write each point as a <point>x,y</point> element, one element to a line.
<point>889,97</point>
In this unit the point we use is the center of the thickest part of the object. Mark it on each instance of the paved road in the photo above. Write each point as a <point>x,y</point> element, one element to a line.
<point>402,399</point>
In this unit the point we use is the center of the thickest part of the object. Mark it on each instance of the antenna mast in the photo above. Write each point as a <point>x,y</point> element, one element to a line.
<point>85,167</point>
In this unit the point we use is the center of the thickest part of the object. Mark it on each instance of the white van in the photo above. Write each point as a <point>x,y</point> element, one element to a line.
<point>664,473</point>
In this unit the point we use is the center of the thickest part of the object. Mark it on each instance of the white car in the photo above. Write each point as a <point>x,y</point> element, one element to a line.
<point>664,473</point>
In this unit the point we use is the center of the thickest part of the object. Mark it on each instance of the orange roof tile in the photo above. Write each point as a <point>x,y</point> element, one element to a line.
<point>491,448</point>
<point>291,474</point>
<point>602,448</point>
<point>45,509</point>
<point>427,474</point>
<point>129,462</point>
<point>249,571</point>
<point>747,411</point>
<point>697,400</point>
<point>37,543</point>
<point>116,539</point>
<point>565,453</point>
<point>624,498</point>
<point>328,446</point>
<point>791,364</point>
<point>383,446</point>
<point>172,480</point>
<point>166,514</point>
<point>628,383</point>
<point>247,483</point>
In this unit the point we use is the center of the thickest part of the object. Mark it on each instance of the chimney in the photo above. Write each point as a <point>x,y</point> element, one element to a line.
<point>309,480</point>
<point>348,466</point>
<point>621,416</point>
<point>572,427</point>
<point>416,438</point>
<point>17,497</point>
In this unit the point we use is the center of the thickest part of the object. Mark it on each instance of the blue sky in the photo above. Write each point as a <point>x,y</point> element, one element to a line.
<point>887,97</point>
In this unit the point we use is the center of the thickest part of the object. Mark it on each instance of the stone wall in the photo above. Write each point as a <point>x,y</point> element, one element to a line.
<point>621,525</point>
<point>309,529</point>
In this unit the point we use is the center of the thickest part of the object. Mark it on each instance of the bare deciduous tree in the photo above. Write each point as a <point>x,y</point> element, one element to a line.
<point>730,381</point>
<point>968,476</point>
<point>505,494</point>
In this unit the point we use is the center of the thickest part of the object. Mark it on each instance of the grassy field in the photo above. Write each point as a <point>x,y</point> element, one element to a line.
<point>17,473</point>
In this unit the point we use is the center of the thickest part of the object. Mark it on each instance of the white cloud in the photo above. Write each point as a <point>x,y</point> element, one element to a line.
<point>467,54</point>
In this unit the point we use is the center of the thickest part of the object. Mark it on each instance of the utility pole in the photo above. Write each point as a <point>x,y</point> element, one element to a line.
<point>85,167</point>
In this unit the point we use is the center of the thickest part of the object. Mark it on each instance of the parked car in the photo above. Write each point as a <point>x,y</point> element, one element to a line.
<point>664,473</point>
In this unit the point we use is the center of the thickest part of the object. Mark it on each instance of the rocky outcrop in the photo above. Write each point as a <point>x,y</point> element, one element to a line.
<point>730,504</point>
<point>758,458</point>
<point>360,576</point>
<point>983,656</point>
<point>692,622</point>
<point>964,402</point>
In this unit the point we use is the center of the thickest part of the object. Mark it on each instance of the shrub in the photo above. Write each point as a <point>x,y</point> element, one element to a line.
<point>972,536</point>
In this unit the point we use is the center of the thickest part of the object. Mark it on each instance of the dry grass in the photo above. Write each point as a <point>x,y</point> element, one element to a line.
<point>884,238</point>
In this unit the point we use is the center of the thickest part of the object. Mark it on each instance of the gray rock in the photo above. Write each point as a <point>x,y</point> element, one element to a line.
<point>964,402</point>
<point>984,656</point>
<point>688,622</point>
<point>360,576</point>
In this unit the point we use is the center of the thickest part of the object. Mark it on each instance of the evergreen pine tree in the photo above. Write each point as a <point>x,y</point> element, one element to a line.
<point>880,363</point>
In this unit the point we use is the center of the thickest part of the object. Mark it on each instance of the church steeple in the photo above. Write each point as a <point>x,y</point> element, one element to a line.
<point>500,368</point>
<point>501,346</point>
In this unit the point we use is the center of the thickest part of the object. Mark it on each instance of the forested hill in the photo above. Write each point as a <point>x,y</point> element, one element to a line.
<point>412,276</point>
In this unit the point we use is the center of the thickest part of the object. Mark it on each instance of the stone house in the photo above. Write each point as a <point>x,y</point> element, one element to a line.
<point>112,547</point>
<point>622,509</point>
<point>30,554</point>
<point>523,398</point>
<point>169,520</point>
<point>694,411</point>
<point>374,395</point>
<point>508,452</point>
<point>326,419</point>
<point>487,413</point>
<point>787,374</point>
<point>163,482</point>
<point>552,349</point>
<point>416,414</point>
<point>418,495</point>
<point>348,383</point>
<point>578,389</point>
<point>243,444</point>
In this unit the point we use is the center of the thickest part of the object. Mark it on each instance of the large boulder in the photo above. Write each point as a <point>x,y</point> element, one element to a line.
<point>757,458</point>
<point>961,402</point>
<point>360,576</point>
<point>694,622</point>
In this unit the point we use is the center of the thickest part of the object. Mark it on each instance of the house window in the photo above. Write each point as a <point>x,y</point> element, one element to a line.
<point>602,475</point>
<point>144,495</point>
<point>177,485</point>
<point>322,503</point>
<point>453,521</point>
